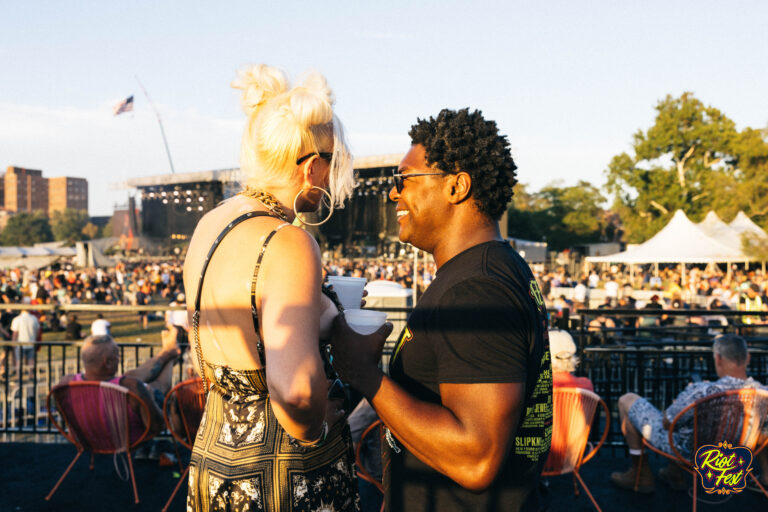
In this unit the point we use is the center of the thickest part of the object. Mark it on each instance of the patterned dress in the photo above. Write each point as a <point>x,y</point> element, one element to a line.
<point>243,460</point>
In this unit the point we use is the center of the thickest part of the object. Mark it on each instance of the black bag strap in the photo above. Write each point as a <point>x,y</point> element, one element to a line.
<point>198,296</point>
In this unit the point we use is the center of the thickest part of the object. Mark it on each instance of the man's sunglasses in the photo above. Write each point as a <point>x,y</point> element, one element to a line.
<point>324,156</point>
<point>400,177</point>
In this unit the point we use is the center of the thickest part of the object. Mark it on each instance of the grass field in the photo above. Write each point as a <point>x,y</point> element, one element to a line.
<point>126,328</point>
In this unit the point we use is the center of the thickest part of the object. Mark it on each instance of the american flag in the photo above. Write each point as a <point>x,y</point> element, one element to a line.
<point>124,106</point>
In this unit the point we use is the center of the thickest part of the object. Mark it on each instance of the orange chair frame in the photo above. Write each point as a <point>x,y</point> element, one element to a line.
<point>688,465</point>
<point>361,471</point>
<point>81,446</point>
<point>582,457</point>
<point>189,429</point>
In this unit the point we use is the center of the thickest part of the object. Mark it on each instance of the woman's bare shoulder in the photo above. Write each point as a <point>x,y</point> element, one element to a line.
<point>290,244</point>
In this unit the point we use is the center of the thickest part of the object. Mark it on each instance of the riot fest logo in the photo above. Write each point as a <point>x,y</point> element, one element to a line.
<point>723,468</point>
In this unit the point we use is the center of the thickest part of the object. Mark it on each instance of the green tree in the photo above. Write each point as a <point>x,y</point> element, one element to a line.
<point>686,160</point>
<point>26,229</point>
<point>751,170</point>
<point>106,231</point>
<point>68,224</point>
<point>563,216</point>
<point>90,231</point>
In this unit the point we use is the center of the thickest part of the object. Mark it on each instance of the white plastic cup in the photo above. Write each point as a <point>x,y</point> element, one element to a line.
<point>364,321</point>
<point>348,289</point>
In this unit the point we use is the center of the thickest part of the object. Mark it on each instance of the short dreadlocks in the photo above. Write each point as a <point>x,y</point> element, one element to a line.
<point>462,141</point>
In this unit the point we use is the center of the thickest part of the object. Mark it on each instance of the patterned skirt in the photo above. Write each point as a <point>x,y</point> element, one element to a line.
<point>243,460</point>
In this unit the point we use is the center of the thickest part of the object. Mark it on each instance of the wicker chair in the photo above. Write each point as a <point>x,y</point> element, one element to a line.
<point>189,399</point>
<point>96,418</point>
<point>738,416</point>
<point>573,415</point>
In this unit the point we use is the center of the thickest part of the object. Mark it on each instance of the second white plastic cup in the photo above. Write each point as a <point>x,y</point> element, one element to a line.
<point>364,321</point>
<point>348,289</point>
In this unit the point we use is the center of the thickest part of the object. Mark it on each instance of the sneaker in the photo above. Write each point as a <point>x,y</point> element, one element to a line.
<point>626,479</point>
<point>675,477</point>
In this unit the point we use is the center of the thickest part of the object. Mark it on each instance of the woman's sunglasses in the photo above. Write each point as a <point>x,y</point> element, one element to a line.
<point>400,177</point>
<point>324,156</point>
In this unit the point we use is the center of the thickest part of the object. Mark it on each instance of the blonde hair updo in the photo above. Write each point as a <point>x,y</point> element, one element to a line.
<point>285,124</point>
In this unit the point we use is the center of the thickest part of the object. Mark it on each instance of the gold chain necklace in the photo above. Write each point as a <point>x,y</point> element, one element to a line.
<point>268,200</point>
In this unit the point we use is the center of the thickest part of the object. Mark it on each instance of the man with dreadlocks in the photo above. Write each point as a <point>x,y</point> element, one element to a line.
<point>468,402</point>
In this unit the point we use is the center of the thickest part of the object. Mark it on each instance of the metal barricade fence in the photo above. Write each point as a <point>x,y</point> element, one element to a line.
<point>658,374</point>
<point>23,393</point>
<point>655,362</point>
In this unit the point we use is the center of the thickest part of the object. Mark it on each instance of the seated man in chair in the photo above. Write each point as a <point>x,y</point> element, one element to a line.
<point>151,381</point>
<point>640,418</point>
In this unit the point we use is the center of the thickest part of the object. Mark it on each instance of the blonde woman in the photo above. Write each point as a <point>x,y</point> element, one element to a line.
<point>270,439</point>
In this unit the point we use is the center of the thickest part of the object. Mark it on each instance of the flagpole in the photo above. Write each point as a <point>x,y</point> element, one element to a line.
<point>162,131</point>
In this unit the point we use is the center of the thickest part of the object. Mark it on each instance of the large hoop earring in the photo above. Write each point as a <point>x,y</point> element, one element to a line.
<point>314,223</point>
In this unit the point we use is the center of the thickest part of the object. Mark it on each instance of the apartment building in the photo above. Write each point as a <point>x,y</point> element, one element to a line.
<point>26,190</point>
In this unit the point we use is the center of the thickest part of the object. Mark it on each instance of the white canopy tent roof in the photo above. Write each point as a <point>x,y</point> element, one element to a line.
<point>742,224</point>
<point>39,256</point>
<point>713,226</point>
<point>680,241</point>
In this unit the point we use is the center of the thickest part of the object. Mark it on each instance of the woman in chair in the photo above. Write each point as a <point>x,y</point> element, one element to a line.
<point>270,439</point>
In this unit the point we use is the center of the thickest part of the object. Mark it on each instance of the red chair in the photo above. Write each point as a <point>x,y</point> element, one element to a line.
<point>573,414</point>
<point>376,427</point>
<point>737,416</point>
<point>96,418</point>
<point>189,398</point>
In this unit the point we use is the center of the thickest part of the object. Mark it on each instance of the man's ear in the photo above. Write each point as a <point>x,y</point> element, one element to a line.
<point>460,186</point>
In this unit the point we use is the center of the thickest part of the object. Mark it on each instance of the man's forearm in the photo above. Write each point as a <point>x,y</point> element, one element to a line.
<point>151,369</point>
<point>436,436</point>
<point>420,426</point>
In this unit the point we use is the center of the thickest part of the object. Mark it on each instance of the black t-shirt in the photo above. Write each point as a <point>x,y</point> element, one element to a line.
<point>482,320</point>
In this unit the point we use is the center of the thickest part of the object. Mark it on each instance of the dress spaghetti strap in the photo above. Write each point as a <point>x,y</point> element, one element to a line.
<point>198,295</point>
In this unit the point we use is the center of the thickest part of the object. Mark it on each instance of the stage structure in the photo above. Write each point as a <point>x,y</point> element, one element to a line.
<point>172,204</point>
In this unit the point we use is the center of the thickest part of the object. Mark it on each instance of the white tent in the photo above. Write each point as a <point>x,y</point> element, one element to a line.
<point>41,255</point>
<point>743,225</point>
<point>680,241</point>
<point>713,226</point>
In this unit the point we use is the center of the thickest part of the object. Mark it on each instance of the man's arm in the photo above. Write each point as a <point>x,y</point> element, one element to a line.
<point>467,438</point>
<point>151,369</point>
<point>481,362</point>
<point>693,392</point>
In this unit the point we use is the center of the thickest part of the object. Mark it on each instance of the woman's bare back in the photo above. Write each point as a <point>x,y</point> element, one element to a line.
<point>227,334</point>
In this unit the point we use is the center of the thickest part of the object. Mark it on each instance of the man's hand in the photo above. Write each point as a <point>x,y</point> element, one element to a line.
<point>168,339</point>
<point>356,356</point>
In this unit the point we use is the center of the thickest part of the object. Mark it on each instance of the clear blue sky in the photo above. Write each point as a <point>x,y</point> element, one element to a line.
<point>569,82</point>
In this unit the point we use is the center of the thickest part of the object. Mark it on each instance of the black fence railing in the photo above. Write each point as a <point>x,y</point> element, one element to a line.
<point>23,393</point>
<point>656,373</point>
<point>656,362</point>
